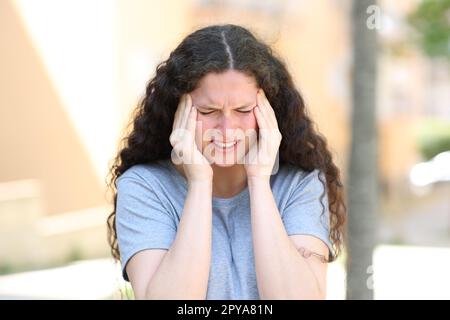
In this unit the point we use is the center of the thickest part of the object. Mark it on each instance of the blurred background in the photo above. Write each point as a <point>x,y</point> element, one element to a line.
<point>71,73</point>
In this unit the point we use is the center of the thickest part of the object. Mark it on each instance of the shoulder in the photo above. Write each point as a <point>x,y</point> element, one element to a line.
<point>148,174</point>
<point>290,177</point>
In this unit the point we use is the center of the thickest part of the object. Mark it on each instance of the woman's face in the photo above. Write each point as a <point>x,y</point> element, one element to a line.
<point>225,103</point>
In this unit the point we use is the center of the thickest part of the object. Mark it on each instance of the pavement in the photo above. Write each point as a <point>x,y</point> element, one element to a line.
<point>399,272</point>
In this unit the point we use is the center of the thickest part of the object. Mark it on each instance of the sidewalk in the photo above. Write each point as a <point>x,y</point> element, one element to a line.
<point>400,272</point>
<point>89,279</point>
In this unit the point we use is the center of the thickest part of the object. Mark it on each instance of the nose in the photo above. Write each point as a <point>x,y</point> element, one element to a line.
<point>226,125</point>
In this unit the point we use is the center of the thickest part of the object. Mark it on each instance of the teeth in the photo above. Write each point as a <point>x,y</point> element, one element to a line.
<point>224,145</point>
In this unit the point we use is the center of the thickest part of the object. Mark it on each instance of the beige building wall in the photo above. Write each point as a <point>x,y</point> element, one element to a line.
<point>70,75</point>
<point>38,140</point>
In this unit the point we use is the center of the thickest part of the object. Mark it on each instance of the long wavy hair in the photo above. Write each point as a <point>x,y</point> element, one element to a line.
<point>219,48</point>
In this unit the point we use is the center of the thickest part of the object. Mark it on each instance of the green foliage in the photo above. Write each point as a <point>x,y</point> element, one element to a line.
<point>433,137</point>
<point>127,292</point>
<point>432,22</point>
<point>75,254</point>
<point>6,268</point>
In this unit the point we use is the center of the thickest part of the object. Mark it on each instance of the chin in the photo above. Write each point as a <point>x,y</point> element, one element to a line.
<point>224,165</point>
<point>220,162</point>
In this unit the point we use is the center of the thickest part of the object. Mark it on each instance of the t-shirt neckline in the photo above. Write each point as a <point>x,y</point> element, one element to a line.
<point>216,201</point>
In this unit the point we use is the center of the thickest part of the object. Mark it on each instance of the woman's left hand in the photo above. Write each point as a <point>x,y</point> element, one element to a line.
<point>262,154</point>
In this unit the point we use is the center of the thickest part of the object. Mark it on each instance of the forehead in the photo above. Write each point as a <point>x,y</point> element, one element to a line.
<point>230,87</point>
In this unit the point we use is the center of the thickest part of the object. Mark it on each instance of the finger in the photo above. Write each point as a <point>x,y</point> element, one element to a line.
<point>267,109</point>
<point>262,106</point>
<point>178,113</point>
<point>260,119</point>
<point>265,130</point>
<point>186,111</point>
<point>192,121</point>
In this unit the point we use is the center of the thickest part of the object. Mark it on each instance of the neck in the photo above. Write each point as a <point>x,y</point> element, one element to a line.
<point>229,181</point>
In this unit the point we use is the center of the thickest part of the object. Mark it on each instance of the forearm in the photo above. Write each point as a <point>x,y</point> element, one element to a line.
<point>281,272</point>
<point>184,270</point>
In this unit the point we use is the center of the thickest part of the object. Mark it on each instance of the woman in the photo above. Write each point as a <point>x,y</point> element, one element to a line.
<point>224,190</point>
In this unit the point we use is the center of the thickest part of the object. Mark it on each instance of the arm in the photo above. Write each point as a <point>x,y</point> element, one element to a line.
<point>183,270</point>
<point>281,271</point>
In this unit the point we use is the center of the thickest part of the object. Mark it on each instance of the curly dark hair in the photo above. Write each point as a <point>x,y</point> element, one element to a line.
<point>219,48</point>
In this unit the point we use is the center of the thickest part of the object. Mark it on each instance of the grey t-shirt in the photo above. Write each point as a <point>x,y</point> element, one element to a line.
<point>150,200</point>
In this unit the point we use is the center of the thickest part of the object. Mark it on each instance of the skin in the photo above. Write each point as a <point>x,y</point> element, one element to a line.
<point>225,106</point>
<point>281,271</point>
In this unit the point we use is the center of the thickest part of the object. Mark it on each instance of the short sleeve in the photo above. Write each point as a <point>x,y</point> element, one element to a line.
<point>306,210</point>
<point>141,220</point>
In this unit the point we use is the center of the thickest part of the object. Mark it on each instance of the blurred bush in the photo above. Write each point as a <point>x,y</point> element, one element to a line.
<point>432,22</point>
<point>433,137</point>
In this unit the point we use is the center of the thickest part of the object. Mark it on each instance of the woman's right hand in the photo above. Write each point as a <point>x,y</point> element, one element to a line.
<point>182,139</point>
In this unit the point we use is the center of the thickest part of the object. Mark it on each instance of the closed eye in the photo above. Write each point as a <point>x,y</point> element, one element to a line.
<point>209,112</point>
<point>246,111</point>
<point>206,112</point>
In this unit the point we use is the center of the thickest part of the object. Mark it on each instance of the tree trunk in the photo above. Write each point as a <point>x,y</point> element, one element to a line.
<point>362,186</point>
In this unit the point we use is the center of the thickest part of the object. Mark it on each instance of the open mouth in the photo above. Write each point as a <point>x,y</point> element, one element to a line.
<point>225,146</point>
